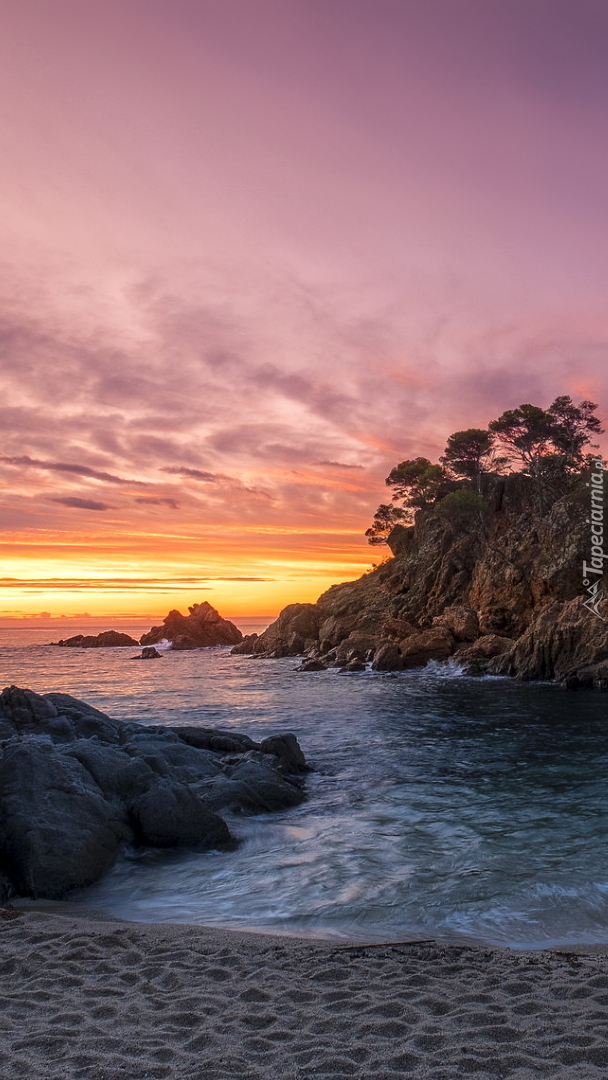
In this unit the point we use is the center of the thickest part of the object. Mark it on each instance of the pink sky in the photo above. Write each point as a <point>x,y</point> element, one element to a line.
<point>254,253</point>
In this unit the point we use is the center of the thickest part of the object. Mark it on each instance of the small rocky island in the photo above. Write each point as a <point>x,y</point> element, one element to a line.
<point>76,785</point>
<point>201,628</point>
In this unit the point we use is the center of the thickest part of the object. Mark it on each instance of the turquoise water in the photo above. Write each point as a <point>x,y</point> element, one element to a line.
<point>440,806</point>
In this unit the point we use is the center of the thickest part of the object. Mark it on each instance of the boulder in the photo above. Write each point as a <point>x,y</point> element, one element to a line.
<point>593,677</point>
<point>60,716</point>
<point>245,647</point>
<point>387,658</point>
<point>461,622</point>
<point>254,785</point>
<point>75,785</point>
<point>312,665</point>
<point>201,628</point>
<point>433,644</point>
<point>485,648</point>
<point>286,749</point>
<point>58,831</point>
<point>85,721</point>
<point>116,773</point>
<point>170,814</point>
<point>216,739</point>
<point>294,631</point>
<point>24,711</point>
<point>148,653</point>
<point>351,667</point>
<point>172,757</point>
<point>332,631</point>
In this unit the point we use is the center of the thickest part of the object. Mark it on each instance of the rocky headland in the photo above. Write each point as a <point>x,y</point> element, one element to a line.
<point>76,786</point>
<point>501,593</point>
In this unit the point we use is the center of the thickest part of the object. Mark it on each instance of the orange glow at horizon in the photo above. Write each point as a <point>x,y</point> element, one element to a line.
<point>126,574</point>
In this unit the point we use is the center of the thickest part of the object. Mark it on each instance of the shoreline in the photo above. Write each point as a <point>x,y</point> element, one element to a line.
<point>64,908</point>
<point>102,999</point>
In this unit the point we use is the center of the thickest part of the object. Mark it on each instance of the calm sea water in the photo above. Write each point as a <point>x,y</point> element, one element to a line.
<point>440,806</point>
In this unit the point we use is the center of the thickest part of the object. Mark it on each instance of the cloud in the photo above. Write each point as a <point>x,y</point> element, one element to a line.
<point>81,504</point>
<point>338,464</point>
<point>63,467</point>
<point>150,500</point>
<point>194,474</point>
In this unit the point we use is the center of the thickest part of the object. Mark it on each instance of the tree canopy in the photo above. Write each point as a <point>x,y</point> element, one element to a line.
<point>546,444</point>
<point>469,453</point>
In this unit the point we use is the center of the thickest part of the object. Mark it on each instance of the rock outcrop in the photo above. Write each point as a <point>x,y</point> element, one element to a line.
<point>108,639</point>
<point>201,628</point>
<point>564,642</point>
<point>503,595</point>
<point>76,785</point>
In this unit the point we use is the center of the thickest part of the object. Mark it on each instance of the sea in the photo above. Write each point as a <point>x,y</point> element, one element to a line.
<point>439,806</point>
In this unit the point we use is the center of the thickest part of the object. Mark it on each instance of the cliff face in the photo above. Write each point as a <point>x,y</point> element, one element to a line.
<point>502,592</point>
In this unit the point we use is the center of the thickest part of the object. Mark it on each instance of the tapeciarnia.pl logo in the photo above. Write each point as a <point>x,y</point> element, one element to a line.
<point>596,521</point>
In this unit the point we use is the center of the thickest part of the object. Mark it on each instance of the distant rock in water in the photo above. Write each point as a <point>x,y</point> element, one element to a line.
<point>109,639</point>
<point>75,785</point>
<point>200,629</point>
<point>149,653</point>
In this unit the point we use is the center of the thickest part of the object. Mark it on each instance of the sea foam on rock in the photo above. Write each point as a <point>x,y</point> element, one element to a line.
<point>76,785</point>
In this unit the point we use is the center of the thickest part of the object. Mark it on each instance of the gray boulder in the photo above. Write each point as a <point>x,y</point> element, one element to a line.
<point>250,787</point>
<point>286,749</point>
<point>169,814</point>
<point>58,831</point>
<point>75,785</point>
<point>86,722</point>
<point>216,739</point>
<point>171,757</point>
<point>116,773</point>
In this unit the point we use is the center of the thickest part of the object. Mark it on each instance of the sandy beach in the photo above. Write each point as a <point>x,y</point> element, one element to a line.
<point>98,999</point>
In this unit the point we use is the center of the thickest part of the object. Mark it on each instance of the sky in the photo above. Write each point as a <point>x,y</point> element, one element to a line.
<point>253,253</point>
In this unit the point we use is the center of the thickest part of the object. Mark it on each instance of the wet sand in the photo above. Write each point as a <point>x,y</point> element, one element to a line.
<point>99,999</point>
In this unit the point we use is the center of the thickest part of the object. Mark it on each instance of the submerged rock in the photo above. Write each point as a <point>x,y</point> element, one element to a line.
<point>75,785</point>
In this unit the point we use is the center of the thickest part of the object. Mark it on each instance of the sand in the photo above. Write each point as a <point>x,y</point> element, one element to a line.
<point>107,1000</point>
